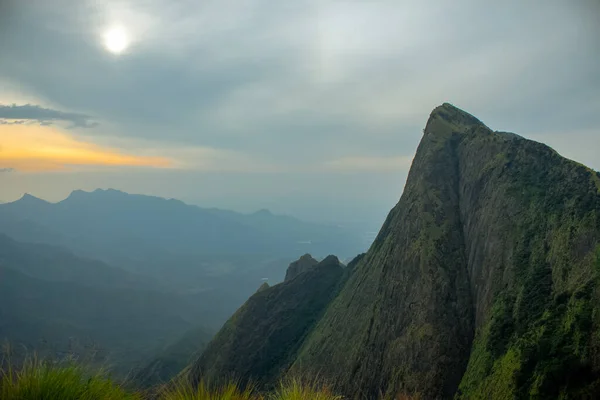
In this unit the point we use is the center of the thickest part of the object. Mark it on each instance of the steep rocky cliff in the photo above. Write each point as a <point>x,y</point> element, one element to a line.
<point>484,276</point>
<point>482,283</point>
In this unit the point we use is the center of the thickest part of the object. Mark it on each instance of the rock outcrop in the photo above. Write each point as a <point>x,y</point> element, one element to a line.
<point>303,264</point>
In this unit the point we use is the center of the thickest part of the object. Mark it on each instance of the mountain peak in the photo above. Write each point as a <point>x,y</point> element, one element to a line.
<point>450,112</point>
<point>264,286</point>
<point>303,264</point>
<point>447,119</point>
<point>30,199</point>
<point>81,194</point>
<point>263,212</point>
<point>330,260</point>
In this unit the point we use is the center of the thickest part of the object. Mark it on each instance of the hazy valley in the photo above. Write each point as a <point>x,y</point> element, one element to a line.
<point>117,278</point>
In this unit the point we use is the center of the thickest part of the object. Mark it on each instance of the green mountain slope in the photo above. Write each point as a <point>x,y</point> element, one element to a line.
<point>496,239</point>
<point>261,339</point>
<point>482,283</point>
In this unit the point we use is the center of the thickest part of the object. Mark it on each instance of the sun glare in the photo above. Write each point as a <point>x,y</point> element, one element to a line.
<point>116,39</point>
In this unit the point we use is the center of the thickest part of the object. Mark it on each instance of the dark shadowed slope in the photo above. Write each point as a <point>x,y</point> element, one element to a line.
<point>261,339</point>
<point>174,358</point>
<point>120,326</point>
<point>495,238</point>
<point>57,264</point>
<point>52,302</point>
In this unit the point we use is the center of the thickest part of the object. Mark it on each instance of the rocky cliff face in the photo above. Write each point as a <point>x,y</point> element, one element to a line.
<point>482,283</point>
<point>405,317</point>
<point>483,276</point>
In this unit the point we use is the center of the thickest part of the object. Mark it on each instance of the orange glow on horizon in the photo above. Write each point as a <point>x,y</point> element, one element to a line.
<point>34,148</point>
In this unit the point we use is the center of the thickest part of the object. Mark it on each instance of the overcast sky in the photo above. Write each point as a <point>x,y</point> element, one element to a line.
<point>312,108</point>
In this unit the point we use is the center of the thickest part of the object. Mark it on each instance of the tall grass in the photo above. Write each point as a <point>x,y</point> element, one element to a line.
<point>295,389</point>
<point>183,390</point>
<point>37,380</point>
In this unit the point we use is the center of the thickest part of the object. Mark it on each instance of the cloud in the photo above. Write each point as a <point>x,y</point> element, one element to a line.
<point>207,159</point>
<point>28,113</point>
<point>7,169</point>
<point>340,87</point>
<point>34,148</point>
<point>212,74</point>
<point>17,122</point>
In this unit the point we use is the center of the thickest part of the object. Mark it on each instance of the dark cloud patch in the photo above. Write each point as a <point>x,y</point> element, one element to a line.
<point>29,113</point>
<point>6,170</point>
<point>17,122</point>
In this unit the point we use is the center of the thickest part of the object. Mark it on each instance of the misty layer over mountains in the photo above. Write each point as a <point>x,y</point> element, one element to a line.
<point>120,278</point>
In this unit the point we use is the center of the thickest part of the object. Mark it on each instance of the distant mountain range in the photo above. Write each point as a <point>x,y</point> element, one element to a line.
<point>139,232</point>
<point>131,274</point>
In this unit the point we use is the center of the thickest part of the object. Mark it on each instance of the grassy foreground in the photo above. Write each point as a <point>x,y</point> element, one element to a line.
<point>37,380</point>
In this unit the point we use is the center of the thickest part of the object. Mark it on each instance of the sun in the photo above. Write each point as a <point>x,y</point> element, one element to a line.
<point>116,39</point>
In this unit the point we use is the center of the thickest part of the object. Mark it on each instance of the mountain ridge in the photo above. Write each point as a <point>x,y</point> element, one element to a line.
<point>101,210</point>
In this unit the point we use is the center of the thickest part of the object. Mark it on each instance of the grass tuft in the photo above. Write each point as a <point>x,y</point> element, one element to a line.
<point>294,389</point>
<point>43,380</point>
<point>182,390</point>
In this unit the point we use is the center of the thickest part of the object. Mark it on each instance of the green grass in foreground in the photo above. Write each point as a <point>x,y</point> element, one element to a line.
<point>37,380</point>
<point>183,391</point>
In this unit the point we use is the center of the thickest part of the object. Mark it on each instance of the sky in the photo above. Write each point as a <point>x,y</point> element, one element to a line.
<point>310,108</point>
